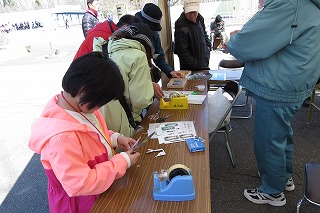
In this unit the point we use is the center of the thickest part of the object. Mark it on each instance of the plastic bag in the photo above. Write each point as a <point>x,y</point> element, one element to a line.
<point>218,104</point>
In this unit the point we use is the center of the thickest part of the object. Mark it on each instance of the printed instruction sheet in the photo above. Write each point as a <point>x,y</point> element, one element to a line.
<point>172,132</point>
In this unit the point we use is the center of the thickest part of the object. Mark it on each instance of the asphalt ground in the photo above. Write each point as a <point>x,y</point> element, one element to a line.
<point>29,79</point>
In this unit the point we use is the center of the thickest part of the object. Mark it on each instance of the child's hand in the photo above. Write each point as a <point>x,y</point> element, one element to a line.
<point>133,155</point>
<point>158,93</point>
<point>125,143</point>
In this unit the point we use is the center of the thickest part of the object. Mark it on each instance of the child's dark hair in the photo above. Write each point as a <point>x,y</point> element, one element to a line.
<point>127,20</point>
<point>96,78</point>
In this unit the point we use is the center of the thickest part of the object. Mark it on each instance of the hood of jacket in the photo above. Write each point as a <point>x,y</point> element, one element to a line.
<point>102,28</point>
<point>123,44</point>
<point>54,120</point>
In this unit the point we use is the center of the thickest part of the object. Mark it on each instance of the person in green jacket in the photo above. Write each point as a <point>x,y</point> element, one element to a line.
<point>131,49</point>
<point>280,46</point>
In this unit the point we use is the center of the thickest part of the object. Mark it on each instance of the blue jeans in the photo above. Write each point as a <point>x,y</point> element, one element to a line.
<point>273,143</point>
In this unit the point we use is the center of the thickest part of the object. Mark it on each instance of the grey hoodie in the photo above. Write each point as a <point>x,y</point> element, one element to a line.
<point>280,46</point>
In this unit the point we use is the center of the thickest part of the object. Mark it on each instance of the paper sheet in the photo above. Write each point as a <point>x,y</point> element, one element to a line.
<point>171,132</point>
<point>196,99</point>
<point>227,74</point>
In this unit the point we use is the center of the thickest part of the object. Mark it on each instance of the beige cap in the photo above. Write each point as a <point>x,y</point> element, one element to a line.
<point>191,5</point>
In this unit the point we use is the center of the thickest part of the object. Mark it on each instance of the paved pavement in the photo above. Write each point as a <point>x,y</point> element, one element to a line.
<point>28,80</point>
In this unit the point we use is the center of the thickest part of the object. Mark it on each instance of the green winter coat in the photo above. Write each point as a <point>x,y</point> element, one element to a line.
<point>280,46</point>
<point>130,56</point>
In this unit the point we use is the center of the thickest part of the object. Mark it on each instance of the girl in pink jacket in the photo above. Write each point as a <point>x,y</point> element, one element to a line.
<point>76,147</point>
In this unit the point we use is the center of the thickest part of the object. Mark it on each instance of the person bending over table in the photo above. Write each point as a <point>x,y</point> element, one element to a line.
<point>76,147</point>
<point>131,49</point>
<point>103,30</point>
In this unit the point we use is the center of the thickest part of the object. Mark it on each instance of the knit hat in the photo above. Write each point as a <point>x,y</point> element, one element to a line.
<point>218,18</point>
<point>151,15</point>
<point>191,6</point>
<point>89,1</point>
<point>140,31</point>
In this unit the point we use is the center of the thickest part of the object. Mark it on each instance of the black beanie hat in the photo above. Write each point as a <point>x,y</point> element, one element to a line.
<point>218,18</point>
<point>151,15</point>
<point>89,1</point>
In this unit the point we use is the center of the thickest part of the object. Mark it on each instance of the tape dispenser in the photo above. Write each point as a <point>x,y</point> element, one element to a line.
<point>174,184</point>
<point>176,101</point>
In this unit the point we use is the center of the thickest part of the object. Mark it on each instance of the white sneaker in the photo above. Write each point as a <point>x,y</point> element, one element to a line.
<point>255,196</point>
<point>290,185</point>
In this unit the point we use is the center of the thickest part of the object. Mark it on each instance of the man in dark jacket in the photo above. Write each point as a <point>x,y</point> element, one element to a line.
<point>191,39</point>
<point>90,18</point>
<point>151,15</point>
<point>217,30</point>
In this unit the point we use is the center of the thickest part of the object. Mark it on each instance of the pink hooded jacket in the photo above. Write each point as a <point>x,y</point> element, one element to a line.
<point>75,160</point>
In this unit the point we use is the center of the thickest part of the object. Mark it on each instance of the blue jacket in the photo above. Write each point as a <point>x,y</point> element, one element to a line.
<point>158,56</point>
<point>280,46</point>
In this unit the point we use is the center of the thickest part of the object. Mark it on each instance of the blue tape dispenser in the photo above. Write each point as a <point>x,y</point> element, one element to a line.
<point>195,144</point>
<point>175,184</point>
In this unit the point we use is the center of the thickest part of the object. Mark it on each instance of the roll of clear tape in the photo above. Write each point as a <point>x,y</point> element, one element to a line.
<point>177,170</point>
<point>174,95</point>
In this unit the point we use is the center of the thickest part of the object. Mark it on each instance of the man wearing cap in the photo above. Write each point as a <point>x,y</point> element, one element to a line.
<point>191,39</point>
<point>151,15</point>
<point>90,18</point>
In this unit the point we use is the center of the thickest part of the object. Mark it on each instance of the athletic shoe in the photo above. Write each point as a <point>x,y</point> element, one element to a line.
<point>290,185</point>
<point>255,196</point>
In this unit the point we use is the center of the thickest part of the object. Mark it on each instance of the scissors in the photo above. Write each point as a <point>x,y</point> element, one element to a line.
<point>155,116</point>
<point>135,146</point>
<point>160,120</point>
